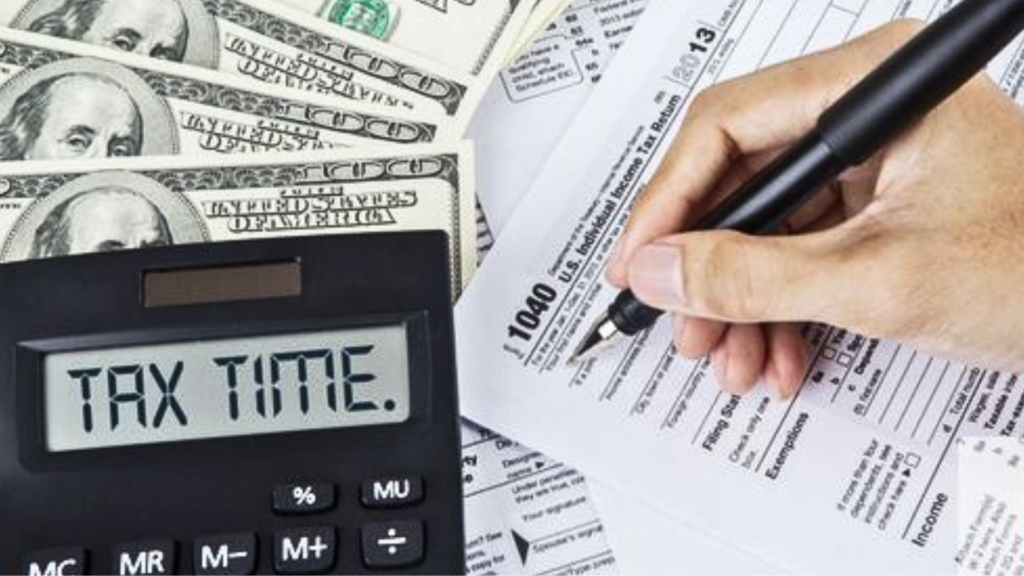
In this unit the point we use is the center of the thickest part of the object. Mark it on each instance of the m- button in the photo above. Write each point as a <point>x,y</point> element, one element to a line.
<point>225,554</point>
<point>55,562</point>
<point>391,492</point>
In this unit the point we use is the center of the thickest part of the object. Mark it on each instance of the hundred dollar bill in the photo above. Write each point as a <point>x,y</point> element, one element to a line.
<point>467,35</point>
<point>52,209</point>
<point>64,100</point>
<point>259,39</point>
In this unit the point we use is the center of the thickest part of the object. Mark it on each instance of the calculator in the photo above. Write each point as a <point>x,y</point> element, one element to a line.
<point>285,406</point>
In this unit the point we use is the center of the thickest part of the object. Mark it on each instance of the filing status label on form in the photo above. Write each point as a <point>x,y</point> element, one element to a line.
<point>864,450</point>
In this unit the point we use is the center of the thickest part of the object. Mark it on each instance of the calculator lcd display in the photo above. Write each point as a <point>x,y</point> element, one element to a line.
<point>226,387</point>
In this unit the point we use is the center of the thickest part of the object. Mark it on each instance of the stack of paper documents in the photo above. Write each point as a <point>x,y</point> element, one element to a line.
<point>856,474</point>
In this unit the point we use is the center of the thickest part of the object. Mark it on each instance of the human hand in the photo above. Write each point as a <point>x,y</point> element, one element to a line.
<point>922,244</point>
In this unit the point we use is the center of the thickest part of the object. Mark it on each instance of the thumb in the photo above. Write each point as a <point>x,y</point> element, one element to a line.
<point>745,279</point>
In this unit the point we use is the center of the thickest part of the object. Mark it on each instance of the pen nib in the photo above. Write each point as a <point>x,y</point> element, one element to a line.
<point>601,333</point>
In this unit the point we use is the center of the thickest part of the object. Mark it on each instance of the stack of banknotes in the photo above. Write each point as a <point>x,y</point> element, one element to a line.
<point>135,123</point>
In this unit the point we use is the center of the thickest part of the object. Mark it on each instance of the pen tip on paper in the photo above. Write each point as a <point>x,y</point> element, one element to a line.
<point>602,332</point>
<point>590,341</point>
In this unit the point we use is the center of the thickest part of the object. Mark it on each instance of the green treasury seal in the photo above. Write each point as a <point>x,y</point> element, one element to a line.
<point>374,18</point>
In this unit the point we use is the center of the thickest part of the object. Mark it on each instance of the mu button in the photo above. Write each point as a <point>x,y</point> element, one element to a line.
<point>391,492</point>
<point>225,554</point>
<point>304,550</point>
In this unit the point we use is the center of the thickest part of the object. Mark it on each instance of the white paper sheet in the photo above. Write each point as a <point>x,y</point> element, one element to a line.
<point>526,110</point>
<point>645,540</point>
<point>526,514</point>
<point>990,499</point>
<point>854,474</point>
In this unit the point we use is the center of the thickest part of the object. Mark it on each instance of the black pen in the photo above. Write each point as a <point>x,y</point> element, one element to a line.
<point>912,82</point>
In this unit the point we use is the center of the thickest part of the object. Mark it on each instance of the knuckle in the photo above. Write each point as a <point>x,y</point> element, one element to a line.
<point>703,99</point>
<point>895,34</point>
<point>904,28</point>
<point>887,39</point>
<point>709,101</point>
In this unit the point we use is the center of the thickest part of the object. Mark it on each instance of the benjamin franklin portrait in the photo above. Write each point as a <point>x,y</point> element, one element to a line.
<point>101,220</point>
<point>174,30</point>
<point>69,117</point>
<point>82,109</point>
<point>104,212</point>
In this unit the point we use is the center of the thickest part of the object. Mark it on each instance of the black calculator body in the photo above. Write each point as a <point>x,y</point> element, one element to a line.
<point>284,406</point>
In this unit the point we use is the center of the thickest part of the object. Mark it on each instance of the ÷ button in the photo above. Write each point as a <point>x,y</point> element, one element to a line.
<point>393,541</point>
<point>392,544</point>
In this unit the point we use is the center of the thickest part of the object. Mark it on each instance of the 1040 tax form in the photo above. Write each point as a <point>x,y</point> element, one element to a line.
<point>856,473</point>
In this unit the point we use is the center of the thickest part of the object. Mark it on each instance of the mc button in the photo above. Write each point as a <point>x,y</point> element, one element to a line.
<point>55,562</point>
<point>392,492</point>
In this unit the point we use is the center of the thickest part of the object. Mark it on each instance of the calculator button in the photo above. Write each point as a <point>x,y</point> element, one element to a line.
<point>144,557</point>
<point>225,554</point>
<point>391,492</point>
<point>56,562</point>
<point>304,550</point>
<point>392,544</point>
<point>303,498</point>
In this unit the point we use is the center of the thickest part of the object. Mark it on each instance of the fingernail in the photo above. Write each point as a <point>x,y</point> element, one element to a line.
<point>777,395</point>
<point>721,361</point>
<point>616,253</point>
<point>678,331</point>
<point>772,379</point>
<point>613,268</point>
<point>656,275</point>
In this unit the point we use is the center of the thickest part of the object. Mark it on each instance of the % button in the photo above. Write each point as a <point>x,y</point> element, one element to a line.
<point>303,498</point>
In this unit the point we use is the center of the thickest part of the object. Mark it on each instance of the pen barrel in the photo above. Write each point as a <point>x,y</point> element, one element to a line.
<point>766,200</point>
<point>630,315</point>
<point>757,207</point>
<point>919,76</point>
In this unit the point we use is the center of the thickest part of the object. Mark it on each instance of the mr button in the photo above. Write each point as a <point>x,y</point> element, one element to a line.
<point>391,492</point>
<point>149,557</point>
